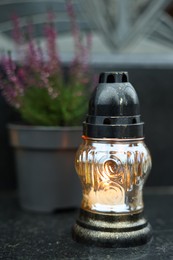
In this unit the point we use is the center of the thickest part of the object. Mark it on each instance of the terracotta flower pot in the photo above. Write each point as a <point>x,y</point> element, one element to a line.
<point>45,166</point>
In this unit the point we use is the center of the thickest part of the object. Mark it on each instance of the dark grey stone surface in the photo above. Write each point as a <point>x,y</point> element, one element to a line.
<point>25,235</point>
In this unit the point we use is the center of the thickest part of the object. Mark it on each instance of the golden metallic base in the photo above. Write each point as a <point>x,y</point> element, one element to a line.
<point>111,230</point>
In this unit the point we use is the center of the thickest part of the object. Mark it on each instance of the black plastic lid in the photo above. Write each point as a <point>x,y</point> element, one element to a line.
<point>114,110</point>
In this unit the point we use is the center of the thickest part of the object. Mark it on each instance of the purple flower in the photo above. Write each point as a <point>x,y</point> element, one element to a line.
<point>36,71</point>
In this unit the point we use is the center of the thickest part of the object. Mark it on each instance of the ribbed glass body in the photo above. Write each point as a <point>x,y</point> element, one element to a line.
<point>112,173</point>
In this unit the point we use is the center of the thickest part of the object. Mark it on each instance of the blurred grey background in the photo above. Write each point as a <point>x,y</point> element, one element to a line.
<point>131,35</point>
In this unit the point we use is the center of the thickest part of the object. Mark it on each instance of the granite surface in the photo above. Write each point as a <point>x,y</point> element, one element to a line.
<point>27,235</point>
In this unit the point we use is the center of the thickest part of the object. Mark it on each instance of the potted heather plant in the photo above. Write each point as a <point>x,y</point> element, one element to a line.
<point>51,106</point>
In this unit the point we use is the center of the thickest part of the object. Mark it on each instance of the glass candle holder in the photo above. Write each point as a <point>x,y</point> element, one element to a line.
<point>113,164</point>
<point>112,173</point>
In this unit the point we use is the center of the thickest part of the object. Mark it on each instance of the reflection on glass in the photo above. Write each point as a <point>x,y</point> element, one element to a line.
<point>112,173</point>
